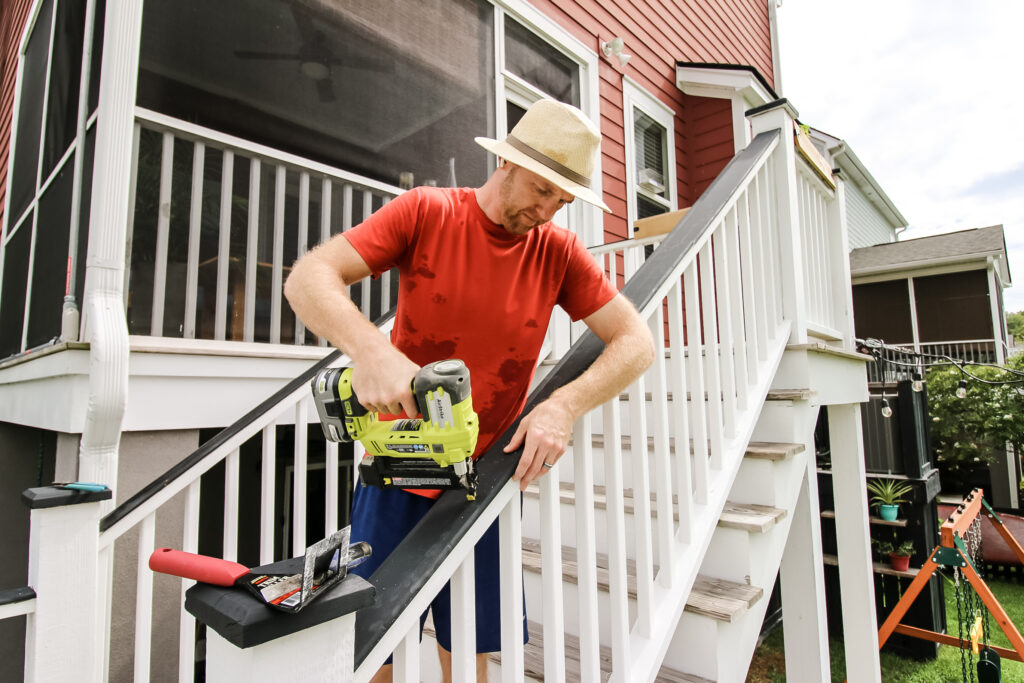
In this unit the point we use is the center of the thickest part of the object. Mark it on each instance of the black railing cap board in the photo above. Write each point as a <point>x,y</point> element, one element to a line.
<point>11,596</point>
<point>781,102</point>
<point>54,496</point>
<point>246,622</point>
<point>419,556</point>
<point>179,469</point>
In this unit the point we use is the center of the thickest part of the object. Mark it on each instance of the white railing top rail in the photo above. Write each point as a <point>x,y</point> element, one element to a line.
<point>156,493</point>
<point>405,573</point>
<point>619,245</point>
<point>185,129</point>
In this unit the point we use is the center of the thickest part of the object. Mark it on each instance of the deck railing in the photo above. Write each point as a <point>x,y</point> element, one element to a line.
<point>820,237</point>
<point>894,365</point>
<point>225,218</point>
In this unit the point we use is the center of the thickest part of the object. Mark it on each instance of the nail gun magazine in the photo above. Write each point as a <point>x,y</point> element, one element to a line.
<point>433,451</point>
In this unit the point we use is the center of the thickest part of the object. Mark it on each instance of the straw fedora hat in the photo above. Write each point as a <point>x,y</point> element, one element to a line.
<point>557,142</point>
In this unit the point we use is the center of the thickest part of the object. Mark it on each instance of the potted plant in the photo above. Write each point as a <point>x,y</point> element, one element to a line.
<point>883,548</point>
<point>887,494</point>
<point>899,558</point>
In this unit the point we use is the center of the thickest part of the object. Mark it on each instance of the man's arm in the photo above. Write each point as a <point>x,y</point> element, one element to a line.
<point>381,374</point>
<point>629,350</point>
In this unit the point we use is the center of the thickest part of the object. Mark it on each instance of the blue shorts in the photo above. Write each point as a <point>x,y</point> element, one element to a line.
<point>383,517</point>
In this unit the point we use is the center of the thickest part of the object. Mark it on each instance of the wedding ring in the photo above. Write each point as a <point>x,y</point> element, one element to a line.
<point>548,465</point>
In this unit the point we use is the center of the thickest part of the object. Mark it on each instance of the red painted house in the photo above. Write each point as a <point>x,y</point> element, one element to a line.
<point>172,158</point>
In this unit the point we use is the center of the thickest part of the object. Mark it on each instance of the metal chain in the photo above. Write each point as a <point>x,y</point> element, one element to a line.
<point>960,622</point>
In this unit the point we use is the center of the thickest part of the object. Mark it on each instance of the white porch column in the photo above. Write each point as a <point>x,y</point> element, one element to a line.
<point>804,614</point>
<point>105,325</point>
<point>856,576</point>
<point>781,115</point>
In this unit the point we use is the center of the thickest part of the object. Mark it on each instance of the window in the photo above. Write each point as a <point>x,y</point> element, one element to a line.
<point>650,153</point>
<point>37,270</point>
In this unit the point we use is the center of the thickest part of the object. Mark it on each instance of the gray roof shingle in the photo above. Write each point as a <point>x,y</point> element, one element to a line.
<point>979,242</point>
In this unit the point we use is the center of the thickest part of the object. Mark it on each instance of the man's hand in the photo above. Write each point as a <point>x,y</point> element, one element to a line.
<point>544,435</point>
<point>384,384</point>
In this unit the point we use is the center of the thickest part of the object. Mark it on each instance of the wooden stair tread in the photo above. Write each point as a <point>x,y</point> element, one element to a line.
<point>755,449</point>
<point>790,394</point>
<point>716,598</point>
<point>750,517</point>
<point>533,659</point>
<point>822,347</point>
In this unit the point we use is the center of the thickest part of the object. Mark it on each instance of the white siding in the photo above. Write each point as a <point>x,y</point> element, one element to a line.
<point>866,225</point>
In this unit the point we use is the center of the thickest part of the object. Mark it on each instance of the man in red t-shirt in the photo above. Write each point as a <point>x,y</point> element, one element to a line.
<point>480,272</point>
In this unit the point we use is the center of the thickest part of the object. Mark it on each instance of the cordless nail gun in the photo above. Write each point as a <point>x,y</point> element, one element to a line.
<point>432,452</point>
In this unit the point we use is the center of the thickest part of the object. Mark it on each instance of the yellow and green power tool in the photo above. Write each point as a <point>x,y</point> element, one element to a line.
<point>432,452</point>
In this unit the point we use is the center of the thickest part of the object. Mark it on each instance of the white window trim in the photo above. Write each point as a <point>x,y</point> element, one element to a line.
<point>585,220</point>
<point>634,96</point>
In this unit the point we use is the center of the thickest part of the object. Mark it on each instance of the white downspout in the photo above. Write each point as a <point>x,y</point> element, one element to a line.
<point>105,324</point>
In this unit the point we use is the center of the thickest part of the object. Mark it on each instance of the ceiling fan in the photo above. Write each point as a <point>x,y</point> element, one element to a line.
<point>315,56</point>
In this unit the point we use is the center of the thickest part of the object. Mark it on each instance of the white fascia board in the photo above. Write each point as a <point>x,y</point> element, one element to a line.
<point>173,383</point>
<point>938,266</point>
<point>850,164</point>
<point>722,84</point>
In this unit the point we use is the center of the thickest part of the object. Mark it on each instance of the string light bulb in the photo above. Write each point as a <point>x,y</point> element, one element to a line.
<point>886,409</point>
<point>918,384</point>
<point>961,389</point>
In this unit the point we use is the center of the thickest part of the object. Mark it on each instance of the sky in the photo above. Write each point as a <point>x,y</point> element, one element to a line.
<point>929,94</point>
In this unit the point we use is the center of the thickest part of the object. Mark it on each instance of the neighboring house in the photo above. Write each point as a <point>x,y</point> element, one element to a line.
<point>940,295</point>
<point>871,216</point>
<point>167,161</point>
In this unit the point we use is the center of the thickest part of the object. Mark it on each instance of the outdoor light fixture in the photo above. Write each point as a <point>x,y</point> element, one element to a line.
<point>918,384</point>
<point>886,410</point>
<point>961,389</point>
<point>614,47</point>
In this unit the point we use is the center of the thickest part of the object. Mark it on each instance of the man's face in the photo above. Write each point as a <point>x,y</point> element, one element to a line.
<point>528,200</point>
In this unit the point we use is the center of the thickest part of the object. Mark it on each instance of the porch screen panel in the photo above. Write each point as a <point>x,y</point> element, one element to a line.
<point>30,115</point>
<point>65,82</point>
<point>953,306</point>
<point>15,280</point>
<point>50,260</point>
<point>389,89</point>
<point>882,310</point>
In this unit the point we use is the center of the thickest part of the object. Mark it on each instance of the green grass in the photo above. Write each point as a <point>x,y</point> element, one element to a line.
<point>767,665</point>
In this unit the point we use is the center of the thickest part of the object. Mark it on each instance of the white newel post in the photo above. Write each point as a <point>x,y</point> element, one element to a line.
<point>780,115</point>
<point>853,542</point>
<point>248,641</point>
<point>62,642</point>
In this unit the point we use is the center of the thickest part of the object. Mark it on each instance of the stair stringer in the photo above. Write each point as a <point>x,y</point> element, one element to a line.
<point>723,651</point>
<point>648,651</point>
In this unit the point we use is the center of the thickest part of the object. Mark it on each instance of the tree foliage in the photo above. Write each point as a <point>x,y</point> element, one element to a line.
<point>967,432</point>
<point>1015,324</point>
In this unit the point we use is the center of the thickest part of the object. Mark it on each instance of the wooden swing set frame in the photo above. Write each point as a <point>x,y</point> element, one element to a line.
<point>952,552</point>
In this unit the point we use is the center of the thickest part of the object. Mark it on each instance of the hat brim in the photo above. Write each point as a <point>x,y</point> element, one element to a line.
<point>513,155</point>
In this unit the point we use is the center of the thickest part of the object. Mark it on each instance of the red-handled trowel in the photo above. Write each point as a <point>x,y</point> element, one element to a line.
<point>287,586</point>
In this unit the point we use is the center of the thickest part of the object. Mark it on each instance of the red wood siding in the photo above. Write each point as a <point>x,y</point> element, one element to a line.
<point>12,22</point>
<point>658,33</point>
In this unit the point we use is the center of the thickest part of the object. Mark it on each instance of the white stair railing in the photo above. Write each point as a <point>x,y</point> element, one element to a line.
<point>723,336</point>
<point>711,296</point>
